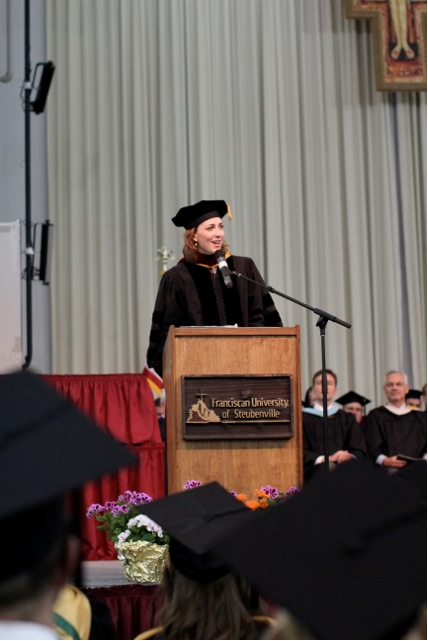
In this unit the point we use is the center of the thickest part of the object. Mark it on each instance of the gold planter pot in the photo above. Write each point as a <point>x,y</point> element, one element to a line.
<point>142,562</point>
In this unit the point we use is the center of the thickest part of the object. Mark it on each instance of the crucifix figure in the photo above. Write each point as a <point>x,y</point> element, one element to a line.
<point>398,10</point>
<point>399,36</point>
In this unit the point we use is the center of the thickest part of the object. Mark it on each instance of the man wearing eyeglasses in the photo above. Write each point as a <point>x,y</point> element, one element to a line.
<point>395,433</point>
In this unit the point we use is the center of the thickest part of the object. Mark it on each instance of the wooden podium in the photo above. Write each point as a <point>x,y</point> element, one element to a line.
<point>234,361</point>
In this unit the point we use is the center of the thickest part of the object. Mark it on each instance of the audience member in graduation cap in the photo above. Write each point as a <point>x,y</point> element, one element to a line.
<point>203,599</point>
<point>47,449</point>
<point>346,555</point>
<point>414,399</point>
<point>194,293</point>
<point>354,404</point>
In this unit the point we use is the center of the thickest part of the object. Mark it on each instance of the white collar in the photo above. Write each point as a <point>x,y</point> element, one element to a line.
<point>319,407</point>
<point>403,409</point>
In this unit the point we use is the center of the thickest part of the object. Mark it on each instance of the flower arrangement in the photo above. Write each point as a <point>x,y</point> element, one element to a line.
<point>264,497</point>
<point>122,521</point>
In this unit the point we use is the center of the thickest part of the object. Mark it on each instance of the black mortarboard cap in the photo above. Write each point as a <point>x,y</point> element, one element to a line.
<point>346,555</point>
<point>193,215</point>
<point>353,397</point>
<point>47,446</point>
<point>195,519</point>
<point>413,393</point>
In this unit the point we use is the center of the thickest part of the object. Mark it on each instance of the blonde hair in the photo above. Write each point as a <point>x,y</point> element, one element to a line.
<point>216,610</point>
<point>190,250</point>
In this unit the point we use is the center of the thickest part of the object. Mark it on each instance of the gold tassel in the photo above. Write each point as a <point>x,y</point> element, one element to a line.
<point>229,212</point>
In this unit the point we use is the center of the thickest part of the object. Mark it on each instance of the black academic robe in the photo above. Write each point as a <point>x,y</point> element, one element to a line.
<point>191,295</point>
<point>343,433</point>
<point>390,434</point>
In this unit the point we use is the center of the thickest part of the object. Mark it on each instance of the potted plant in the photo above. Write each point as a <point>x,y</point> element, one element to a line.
<point>141,544</point>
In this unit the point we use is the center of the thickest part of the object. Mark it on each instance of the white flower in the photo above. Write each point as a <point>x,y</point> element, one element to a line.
<point>141,520</point>
<point>123,536</point>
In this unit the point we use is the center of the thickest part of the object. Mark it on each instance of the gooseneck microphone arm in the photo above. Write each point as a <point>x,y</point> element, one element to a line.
<point>322,321</point>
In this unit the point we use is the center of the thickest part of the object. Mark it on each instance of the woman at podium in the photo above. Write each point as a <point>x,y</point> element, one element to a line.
<point>203,288</point>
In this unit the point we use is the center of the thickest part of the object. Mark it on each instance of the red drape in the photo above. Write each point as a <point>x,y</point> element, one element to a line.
<point>133,608</point>
<point>123,405</point>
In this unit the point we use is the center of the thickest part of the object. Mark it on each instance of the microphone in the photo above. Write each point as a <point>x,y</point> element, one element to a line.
<point>224,268</point>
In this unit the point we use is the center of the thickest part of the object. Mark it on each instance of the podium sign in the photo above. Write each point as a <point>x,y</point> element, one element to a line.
<point>233,407</point>
<point>236,407</point>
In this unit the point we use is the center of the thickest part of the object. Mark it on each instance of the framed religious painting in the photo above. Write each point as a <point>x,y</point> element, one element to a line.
<point>399,31</point>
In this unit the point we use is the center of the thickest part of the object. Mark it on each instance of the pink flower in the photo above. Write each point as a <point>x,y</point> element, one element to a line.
<point>95,508</point>
<point>270,491</point>
<point>292,490</point>
<point>189,485</point>
<point>120,509</point>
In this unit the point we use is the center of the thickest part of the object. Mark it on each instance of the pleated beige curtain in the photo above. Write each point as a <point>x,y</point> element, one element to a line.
<point>270,105</point>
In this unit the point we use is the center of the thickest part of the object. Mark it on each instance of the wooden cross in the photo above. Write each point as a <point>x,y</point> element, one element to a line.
<point>399,31</point>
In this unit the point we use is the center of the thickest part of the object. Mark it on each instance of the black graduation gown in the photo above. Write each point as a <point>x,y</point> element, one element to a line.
<point>390,434</point>
<point>343,431</point>
<point>190,295</point>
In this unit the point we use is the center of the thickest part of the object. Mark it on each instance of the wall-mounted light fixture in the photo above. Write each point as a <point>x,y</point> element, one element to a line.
<point>43,73</point>
<point>42,271</point>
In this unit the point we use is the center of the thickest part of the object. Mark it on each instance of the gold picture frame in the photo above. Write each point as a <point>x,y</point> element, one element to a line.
<point>399,32</point>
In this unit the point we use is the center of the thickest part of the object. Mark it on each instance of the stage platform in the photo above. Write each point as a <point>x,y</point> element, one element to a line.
<point>132,606</point>
<point>103,574</point>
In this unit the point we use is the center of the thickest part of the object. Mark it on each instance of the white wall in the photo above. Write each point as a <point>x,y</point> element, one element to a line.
<point>12,157</point>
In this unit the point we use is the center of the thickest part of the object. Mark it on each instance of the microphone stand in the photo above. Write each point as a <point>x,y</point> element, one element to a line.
<point>322,321</point>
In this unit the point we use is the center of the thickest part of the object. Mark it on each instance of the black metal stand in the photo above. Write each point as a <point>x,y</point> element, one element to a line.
<point>29,250</point>
<point>322,321</point>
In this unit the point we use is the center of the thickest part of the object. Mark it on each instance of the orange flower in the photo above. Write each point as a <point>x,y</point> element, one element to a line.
<point>261,494</point>
<point>241,497</point>
<point>253,505</point>
<point>263,503</point>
